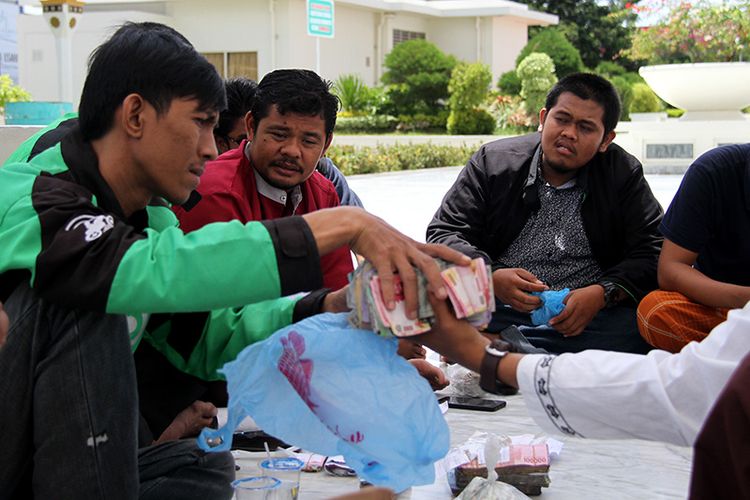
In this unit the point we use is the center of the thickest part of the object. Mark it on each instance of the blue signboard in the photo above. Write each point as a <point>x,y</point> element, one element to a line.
<point>320,18</point>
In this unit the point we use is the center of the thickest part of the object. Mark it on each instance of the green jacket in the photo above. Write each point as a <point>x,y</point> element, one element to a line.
<point>63,231</point>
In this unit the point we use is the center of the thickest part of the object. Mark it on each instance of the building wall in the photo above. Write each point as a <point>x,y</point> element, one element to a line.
<point>37,53</point>
<point>226,26</point>
<point>362,38</point>
<point>455,36</point>
<point>508,38</point>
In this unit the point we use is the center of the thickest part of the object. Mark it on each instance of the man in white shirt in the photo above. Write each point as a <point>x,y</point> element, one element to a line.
<point>601,394</point>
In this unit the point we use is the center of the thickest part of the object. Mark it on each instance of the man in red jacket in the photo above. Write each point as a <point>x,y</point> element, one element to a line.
<point>272,174</point>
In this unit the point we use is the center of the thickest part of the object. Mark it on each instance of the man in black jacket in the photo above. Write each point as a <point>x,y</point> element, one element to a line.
<point>562,209</point>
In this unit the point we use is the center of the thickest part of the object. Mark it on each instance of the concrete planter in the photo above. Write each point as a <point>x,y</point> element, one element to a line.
<point>35,112</point>
<point>706,91</point>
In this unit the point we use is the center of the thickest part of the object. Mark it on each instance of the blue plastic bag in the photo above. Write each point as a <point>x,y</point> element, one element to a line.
<point>552,305</point>
<point>321,385</point>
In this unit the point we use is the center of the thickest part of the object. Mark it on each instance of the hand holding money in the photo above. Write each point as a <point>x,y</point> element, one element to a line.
<point>390,253</point>
<point>469,289</point>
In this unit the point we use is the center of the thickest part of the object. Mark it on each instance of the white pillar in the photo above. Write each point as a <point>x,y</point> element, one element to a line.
<point>62,18</point>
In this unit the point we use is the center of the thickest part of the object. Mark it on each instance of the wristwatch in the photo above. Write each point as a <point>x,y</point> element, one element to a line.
<point>493,353</point>
<point>610,293</point>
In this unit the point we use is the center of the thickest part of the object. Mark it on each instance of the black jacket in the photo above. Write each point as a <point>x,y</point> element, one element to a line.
<point>487,207</point>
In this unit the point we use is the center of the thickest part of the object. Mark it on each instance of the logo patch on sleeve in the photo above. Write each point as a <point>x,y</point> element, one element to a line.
<point>96,225</point>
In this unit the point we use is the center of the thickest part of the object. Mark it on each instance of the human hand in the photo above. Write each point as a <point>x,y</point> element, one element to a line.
<point>431,373</point>
<point>581,305</point>
<point>190,421</point>
<point>512,287</point>
<point>4,325</point>
<point>455,339</point>
<point>389,251</point>
<point>408,349</point>
<point>335,302</point>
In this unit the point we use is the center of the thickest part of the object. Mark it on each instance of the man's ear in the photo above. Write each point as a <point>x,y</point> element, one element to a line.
<point>608,138</point>
<point>133,108</point>
<point>328,144</point>
<point>249,125</point>
<point>542,117</point>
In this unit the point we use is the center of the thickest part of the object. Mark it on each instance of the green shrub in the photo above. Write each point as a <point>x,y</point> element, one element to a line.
<point>632,77</point>
<point>644,99</point>
<point>552,42</point>
<point>416,77</point>
<point>608,69</point>
<point>352,92</point>
<point>422,122</point>
<point>675,113</point>
<point>470,121</point>
<point>367,160</point>
<point>537,74</point>
<point>468,86</point>
<point>510,114</point>
<point>365,124</point>
<point>10,92</point>
<point>625,91</point>
<point>509,83</point>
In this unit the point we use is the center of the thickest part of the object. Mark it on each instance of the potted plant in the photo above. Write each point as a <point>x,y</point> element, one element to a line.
<point>697,57</point>
<point>10,92</point>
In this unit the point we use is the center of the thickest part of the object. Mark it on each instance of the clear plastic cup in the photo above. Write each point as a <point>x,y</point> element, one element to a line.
<point>286,470</point>
<point>258,488</point>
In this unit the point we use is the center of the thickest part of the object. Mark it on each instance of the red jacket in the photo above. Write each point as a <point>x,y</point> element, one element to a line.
<point>229,192</point>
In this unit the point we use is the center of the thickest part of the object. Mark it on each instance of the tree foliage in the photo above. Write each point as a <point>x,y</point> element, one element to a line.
<point>599,31</point>
<point>696,32</point>
<point>552,42</point>
<point>417,77</point>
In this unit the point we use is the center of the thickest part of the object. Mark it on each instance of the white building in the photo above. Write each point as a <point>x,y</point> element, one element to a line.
<point>252,37</point>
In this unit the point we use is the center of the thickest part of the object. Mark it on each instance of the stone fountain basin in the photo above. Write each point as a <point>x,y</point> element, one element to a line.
<point>721,86</point>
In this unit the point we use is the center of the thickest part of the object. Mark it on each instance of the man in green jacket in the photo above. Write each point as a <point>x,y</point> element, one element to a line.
<point>88,246</point>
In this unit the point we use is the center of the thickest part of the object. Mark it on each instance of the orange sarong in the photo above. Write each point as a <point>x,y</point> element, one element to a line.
<point>669,320</point>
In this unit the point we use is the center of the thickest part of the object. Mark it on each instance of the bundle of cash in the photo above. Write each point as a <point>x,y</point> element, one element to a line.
<point>469,290</point>
<point>524,466</point>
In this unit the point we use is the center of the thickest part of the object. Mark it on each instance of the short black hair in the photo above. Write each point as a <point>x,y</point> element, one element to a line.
<point>298,91</point>
<point>590,86</point>
<point>240,98</point>
<point>149,59</point>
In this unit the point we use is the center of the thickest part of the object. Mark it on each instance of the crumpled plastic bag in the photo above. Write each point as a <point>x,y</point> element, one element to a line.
<point>463,381</point>
<point>552,305</point>
<point>328,388</point>
<point>490,488</point>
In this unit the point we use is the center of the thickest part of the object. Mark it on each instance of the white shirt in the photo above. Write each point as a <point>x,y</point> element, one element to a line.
<point>659,396</point>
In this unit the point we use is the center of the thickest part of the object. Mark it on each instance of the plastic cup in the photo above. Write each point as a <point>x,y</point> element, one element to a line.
<point>258,488</point>
<point>286,470</point>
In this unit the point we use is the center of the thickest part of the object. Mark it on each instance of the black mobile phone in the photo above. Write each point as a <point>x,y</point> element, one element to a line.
<point>441,399</point>
<point>479,404</point>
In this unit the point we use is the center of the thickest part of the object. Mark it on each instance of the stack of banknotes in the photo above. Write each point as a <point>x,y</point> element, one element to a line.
<point>524,466</point>
<point>469,290</point>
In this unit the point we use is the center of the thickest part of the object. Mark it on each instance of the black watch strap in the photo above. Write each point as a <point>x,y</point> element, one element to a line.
<point>488,381</point>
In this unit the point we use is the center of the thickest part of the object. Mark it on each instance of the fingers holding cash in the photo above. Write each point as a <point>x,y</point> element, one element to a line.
<point>391,253</point>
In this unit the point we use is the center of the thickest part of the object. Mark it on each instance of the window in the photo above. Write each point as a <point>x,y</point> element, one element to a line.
<point>403,36</point>
<point>232,64</point>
